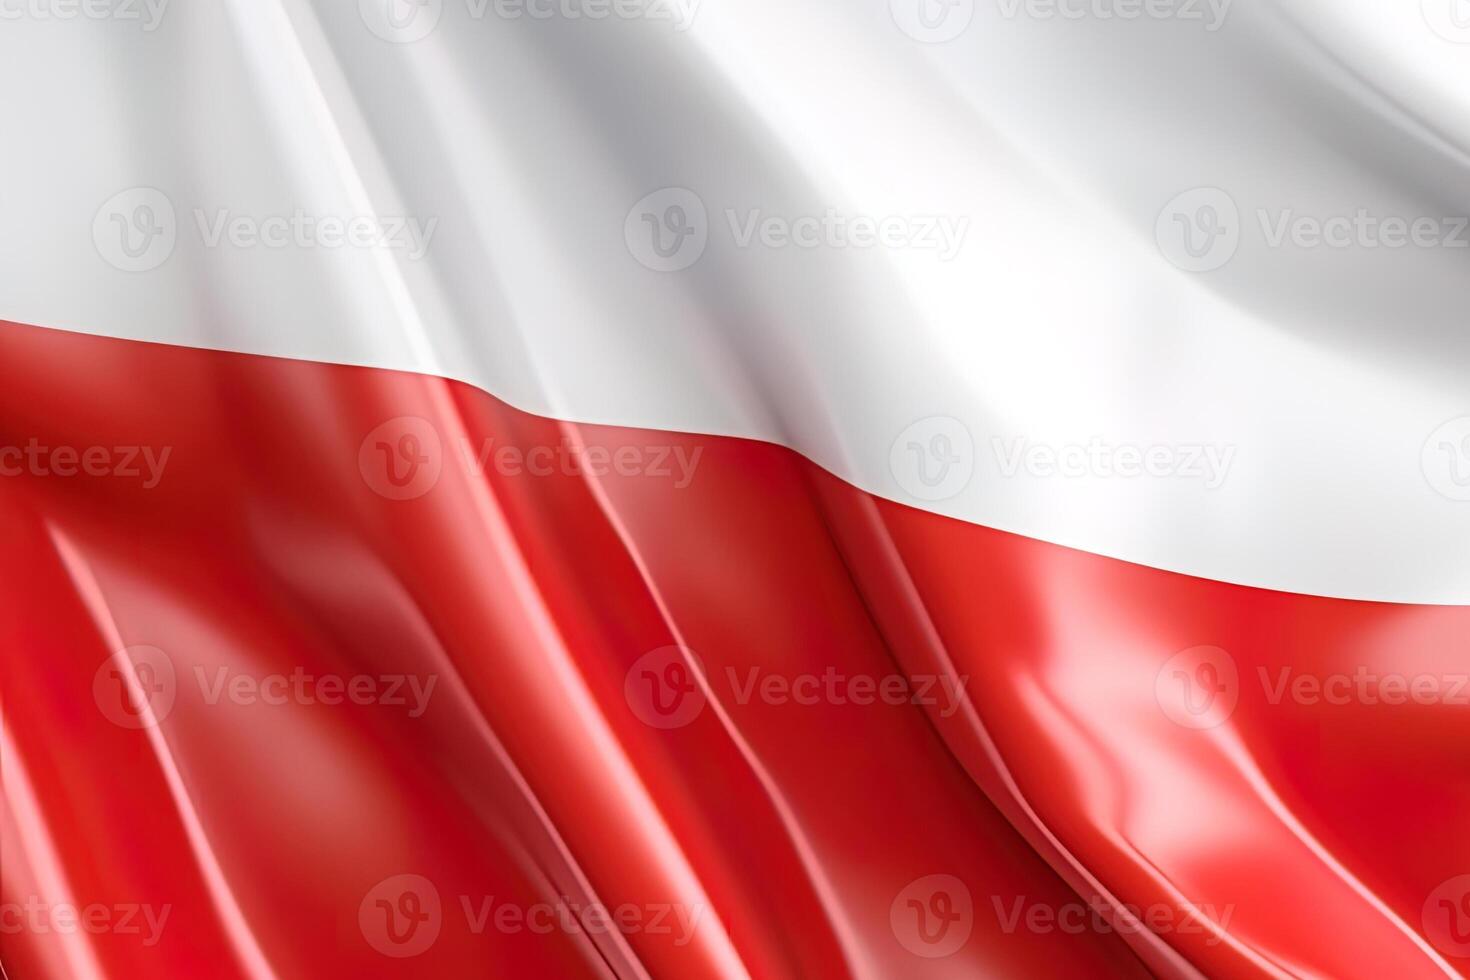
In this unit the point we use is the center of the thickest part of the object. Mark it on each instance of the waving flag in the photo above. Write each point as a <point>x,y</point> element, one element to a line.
<point>696,488</point>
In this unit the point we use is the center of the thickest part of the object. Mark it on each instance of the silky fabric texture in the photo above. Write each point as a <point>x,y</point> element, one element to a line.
<point>778,836</point>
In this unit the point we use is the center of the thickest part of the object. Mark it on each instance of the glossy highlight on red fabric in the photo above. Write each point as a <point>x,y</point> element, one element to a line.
<point>662,705</point>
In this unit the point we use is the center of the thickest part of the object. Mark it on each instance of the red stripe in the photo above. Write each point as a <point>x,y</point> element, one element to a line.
<point>539,603</point>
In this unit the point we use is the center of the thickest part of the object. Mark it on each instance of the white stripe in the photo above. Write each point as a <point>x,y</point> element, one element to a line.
<point>1311,383</point>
